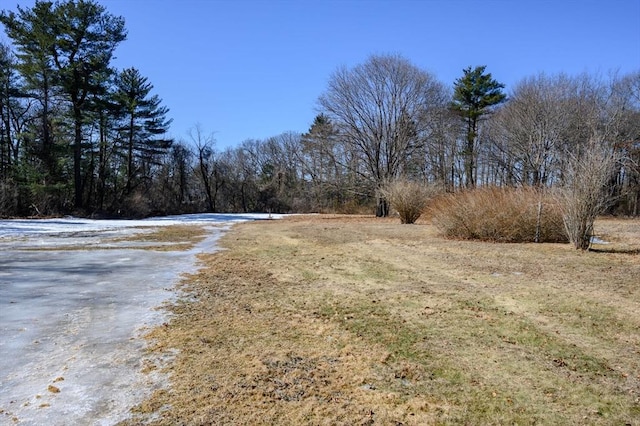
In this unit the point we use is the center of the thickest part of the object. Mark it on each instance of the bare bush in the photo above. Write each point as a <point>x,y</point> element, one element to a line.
<point>408,198</point>
<point>499,214</point>
<point>585,193</point>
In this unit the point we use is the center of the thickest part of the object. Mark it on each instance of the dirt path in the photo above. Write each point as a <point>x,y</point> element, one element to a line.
<point>343,320</point>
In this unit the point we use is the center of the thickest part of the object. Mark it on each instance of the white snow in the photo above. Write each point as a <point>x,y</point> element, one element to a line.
<point>73,319</point>
<point>596,240</point>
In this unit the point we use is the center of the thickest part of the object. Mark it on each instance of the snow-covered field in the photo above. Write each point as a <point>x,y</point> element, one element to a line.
<point>71,320</point>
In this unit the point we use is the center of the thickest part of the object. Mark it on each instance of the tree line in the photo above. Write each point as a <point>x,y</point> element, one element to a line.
<point>78,136</point>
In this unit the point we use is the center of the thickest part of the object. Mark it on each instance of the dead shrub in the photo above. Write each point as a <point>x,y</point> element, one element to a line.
<point>408,198</point>
<point>499,215</point>
<point>585,193</point>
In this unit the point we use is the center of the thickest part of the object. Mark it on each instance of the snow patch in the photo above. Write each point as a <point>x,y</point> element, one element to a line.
<point>71,320</point>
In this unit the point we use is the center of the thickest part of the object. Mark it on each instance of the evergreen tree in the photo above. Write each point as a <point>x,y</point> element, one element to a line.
<point>473,96</point>
<point>105,117</point>
<point>143,126</point>
<point>84,48</point>
<point>67,45</point>
<point>7,92</point>
<point>33,36</point>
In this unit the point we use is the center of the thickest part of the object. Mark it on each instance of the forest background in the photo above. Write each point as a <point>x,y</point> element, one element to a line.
<point>79,136</point>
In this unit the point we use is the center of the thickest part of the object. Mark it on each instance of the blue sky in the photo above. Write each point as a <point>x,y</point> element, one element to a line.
<point>254,68</point>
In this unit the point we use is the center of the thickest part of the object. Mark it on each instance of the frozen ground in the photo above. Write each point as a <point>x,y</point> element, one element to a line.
<point>71,320</point>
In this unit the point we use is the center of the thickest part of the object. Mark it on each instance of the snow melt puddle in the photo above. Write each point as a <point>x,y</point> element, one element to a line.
<point>71,321</point>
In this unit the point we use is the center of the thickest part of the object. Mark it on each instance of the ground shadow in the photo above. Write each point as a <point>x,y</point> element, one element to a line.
<point>615,250</point>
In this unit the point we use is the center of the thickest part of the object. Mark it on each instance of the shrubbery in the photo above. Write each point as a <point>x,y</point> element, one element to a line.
<point>408,198</point>
<point>586,191</point>
<point>499,215</point>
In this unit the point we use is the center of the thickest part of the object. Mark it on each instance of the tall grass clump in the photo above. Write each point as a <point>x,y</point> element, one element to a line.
<point>408,198</point>
<point>500,215</point>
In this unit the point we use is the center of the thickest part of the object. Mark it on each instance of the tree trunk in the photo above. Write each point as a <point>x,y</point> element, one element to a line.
<point>470,179</point>
<point>102,164</point>
<point>382,207</point>
<point>77,157</point>
<point>204,174</point>
<point>130,153</point>
<point>47,145</point>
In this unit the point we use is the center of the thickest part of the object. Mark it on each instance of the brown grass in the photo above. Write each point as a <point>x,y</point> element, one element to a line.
<point>165,238</point>
<point>327,320</point>
<point>172,237</point>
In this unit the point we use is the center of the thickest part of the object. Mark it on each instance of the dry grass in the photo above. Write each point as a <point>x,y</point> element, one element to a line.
<point>357,321</point>
<point>168,238</point>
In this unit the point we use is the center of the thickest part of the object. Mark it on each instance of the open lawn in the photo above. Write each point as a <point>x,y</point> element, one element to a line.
<point>337,320</point>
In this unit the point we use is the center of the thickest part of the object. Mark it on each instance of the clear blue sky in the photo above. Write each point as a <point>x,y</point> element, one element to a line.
<point>255,68</point>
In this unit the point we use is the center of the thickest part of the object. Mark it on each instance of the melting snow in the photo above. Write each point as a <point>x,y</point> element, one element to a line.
<point>71,320</point>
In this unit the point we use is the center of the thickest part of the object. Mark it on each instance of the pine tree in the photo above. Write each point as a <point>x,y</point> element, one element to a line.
<point>8,89</point>
<point>31,32</point>
<point>65,46</point>
<point>143,126</point>
<point>474,95</point>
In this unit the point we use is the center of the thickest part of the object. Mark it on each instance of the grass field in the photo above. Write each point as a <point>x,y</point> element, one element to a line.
<point>334,320</point>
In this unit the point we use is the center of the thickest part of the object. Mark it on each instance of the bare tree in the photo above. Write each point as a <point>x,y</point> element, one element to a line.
<point>280,172</point>
<point>623,111</point>
<point>378,109</point>
<point>241,170</point>
<point>205,152</point>
<point>441,149</point>
<point>320,165</point>
<point>527,132</point>
<point>585,192</point>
